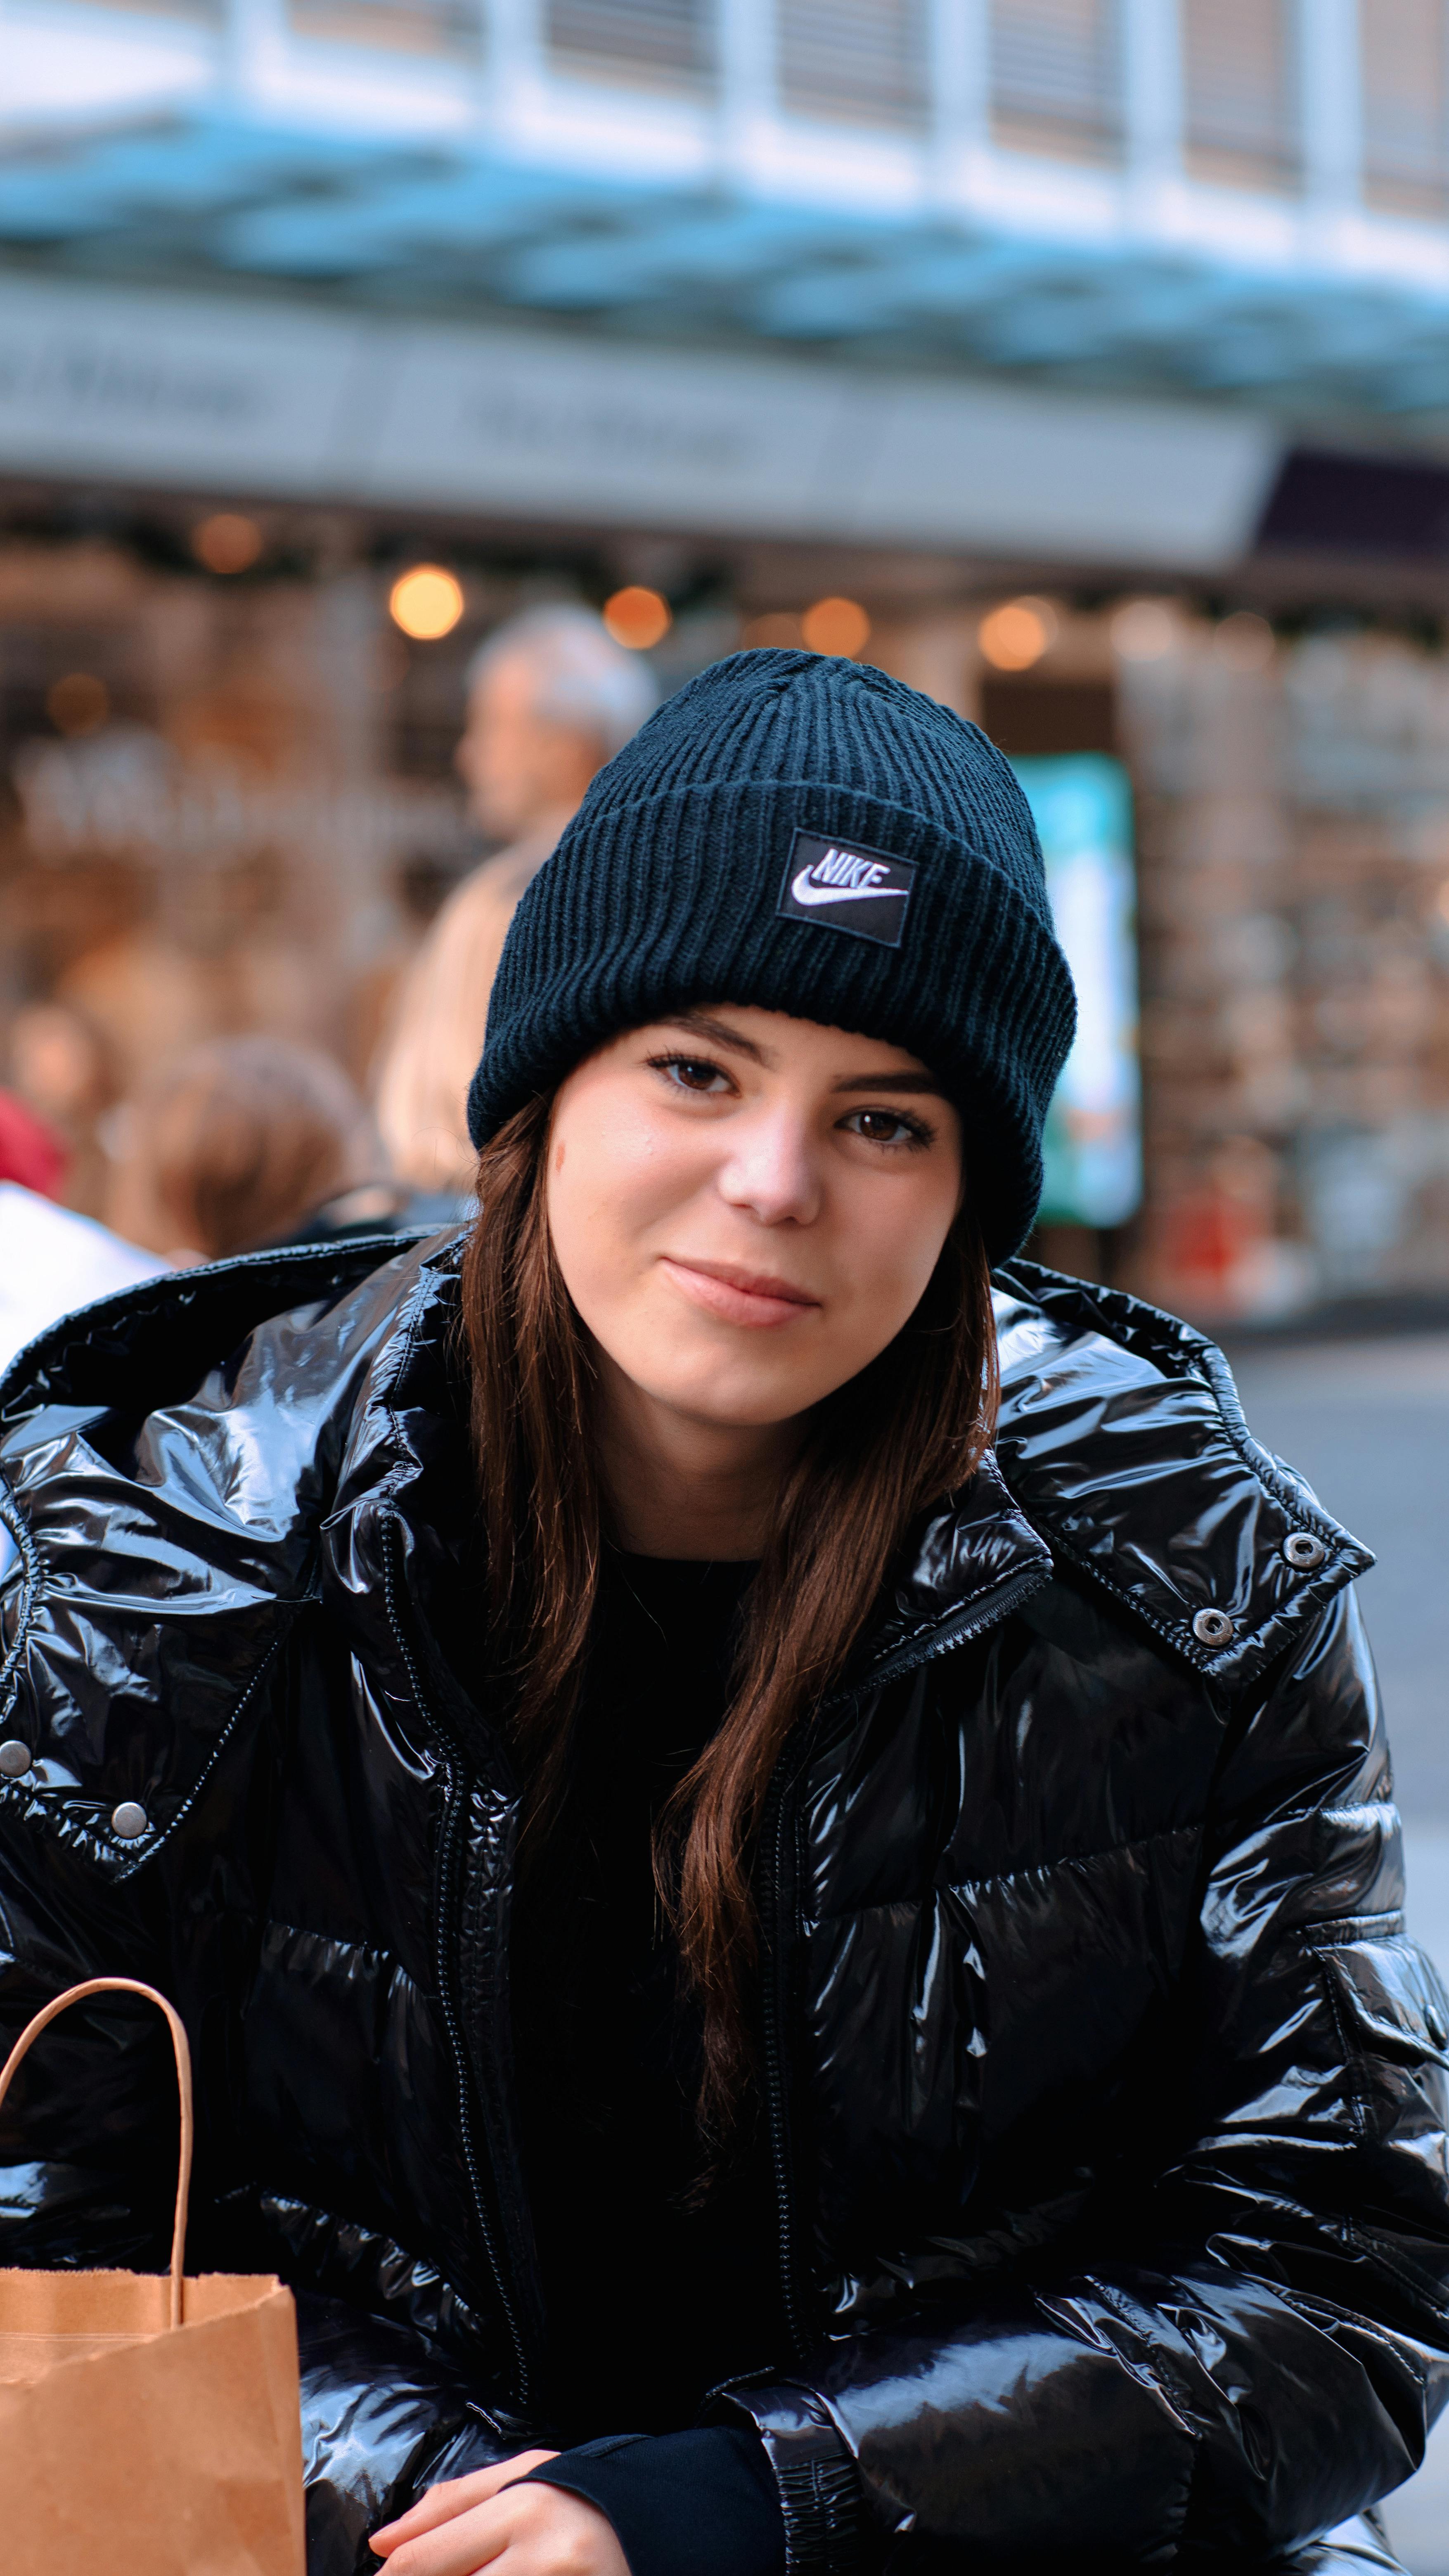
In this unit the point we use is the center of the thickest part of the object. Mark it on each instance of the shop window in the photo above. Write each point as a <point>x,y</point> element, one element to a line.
<point>857,62</point>
<point>205,13</point>
<point>669,43</point>
<point>1240,92</point>
<point>1056,77</point>
<point>1405,59</point>
<point>1029,717</point>
<point>396,26</point>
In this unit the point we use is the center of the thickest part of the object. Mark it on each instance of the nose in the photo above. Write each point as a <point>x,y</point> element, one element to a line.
<point>772,1170</point>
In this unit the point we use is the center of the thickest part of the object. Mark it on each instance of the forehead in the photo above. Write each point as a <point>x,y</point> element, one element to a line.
<point>507,686</point>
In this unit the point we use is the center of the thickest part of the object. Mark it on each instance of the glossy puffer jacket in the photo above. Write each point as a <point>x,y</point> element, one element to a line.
<point>1104,2090</point>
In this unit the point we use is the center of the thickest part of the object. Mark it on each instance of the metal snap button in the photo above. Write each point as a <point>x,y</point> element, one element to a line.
<point>1212,1627</point>
<point>129,1821</point>
<point>1303,1551</point>
<point>14,1757</point>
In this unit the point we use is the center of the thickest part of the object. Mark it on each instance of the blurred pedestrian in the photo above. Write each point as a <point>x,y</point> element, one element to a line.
<point>52,1261</point>
<point>30,1150</point>
<point>242,1142</point>
<point>551,697</point>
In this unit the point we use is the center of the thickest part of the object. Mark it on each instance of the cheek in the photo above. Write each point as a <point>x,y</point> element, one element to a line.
<point>894,1248</point>
<point>609,1189</point>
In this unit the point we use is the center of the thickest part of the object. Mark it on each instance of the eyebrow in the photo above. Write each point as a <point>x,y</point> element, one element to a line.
<point>910,1082</point>
<point>700,1025</point>
<point>718,1032</point>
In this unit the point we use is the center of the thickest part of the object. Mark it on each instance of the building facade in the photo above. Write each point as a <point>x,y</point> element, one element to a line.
<point>1129,318</point>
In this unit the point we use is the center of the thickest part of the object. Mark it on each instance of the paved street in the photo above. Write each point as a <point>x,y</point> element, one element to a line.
<point>1368,1424</point>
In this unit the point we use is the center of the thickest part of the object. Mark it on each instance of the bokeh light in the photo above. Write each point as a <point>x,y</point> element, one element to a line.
<point>836,626</point>
<point>1143,630</point>
<point>227,542</point>
<point>637,617</point>
<point>426,602</point>
<point>1017,634</point>
<point>80,703</point>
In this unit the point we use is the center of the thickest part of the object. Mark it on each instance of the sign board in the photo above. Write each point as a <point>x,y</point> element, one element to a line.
<point>239,395</point>
<point>1082,803</point>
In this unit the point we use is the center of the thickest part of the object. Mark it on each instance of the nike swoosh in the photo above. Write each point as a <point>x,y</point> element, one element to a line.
<point>804,892</point>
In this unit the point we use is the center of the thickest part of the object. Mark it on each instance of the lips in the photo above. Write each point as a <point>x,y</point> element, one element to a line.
<point>740,1296</point>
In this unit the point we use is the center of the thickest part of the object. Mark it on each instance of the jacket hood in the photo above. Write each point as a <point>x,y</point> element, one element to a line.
<point>258,1433</point>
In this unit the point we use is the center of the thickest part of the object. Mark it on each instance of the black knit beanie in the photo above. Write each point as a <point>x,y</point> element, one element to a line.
<point>810,836</point>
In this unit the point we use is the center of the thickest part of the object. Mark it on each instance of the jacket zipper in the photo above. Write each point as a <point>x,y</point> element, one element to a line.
<point>957,1631</point>
<point>452,1816</point>
<point>952,1632</point>
<point>776,2103</point>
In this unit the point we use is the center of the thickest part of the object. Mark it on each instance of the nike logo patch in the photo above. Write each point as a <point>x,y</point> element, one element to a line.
<point>807,889</point>
<point>823,877</point>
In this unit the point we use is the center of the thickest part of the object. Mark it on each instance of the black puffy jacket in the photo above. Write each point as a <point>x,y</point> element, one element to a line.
<point>1104,2088</point>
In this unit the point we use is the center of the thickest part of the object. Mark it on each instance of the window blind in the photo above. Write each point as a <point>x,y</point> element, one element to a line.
<point>206,13</point>
<point>398,26</point>
<point>665,42</point>
<point>858,62</point>
<point>1405,58</point>
<point>1056,76</point>
<point>1240,80</point>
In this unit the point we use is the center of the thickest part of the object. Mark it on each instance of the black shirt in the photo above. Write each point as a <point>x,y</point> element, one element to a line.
<point>661,2277</point>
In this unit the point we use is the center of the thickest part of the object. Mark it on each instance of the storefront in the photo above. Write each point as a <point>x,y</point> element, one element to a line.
<point>1077,424</point>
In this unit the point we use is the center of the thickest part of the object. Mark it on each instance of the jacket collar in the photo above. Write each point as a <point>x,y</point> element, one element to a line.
<point>1122,1439</point>
<point>1121,1451</point>
<point>971,1562</point>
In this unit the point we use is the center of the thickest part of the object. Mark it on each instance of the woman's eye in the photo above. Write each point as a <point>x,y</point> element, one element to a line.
<point>691,1073</point>
<point>887,1127</point>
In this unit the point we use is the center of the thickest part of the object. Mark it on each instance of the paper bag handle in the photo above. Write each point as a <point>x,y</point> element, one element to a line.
<point>131,1986</point>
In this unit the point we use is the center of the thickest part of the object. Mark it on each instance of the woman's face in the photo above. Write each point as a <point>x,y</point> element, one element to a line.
<point>746,1207</point>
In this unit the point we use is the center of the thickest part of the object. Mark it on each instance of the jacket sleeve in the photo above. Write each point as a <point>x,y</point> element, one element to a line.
<point>146,1627</point>
<point>384,2416</point>
<point>1251,2345</point>
<point>88,2175</point>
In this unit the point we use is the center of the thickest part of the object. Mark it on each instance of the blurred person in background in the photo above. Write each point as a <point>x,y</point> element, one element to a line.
<point>31,1153</point>
<point>244,1142</point>
<point>551,697</point>
<point>63,1069</point>
<point>51,1260</point>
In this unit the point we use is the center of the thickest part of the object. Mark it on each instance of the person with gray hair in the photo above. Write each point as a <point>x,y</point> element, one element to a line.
<point>551,697</point>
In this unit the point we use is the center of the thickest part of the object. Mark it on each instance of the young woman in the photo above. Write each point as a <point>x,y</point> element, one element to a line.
<point>798,1958</point>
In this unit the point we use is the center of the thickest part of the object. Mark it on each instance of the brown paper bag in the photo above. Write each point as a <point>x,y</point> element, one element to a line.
<point>149,2425</point>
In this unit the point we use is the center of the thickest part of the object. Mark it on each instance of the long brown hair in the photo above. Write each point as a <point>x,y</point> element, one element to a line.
<point>904,1433</point>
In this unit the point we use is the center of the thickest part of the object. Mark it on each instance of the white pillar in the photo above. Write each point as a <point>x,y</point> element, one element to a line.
<point>1151,96</point>
<point>256,45</point>
<point>515,62</point>
<point>1330,105</point>
<point>960,77</point>
<point>748,83</point>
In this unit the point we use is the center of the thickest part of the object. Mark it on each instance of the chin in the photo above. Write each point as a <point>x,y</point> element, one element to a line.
<point>742,1408</point>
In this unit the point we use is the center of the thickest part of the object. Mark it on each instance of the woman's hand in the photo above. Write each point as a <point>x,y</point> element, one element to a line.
<point>488,2520</point>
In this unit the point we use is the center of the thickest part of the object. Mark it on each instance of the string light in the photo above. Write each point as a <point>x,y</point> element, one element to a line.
<point>1017,634</point>
<point>637,617</point>
<point>227,543</point>
<point>426,602</point>
<point>1143,630</point>
<point>838,626</point>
